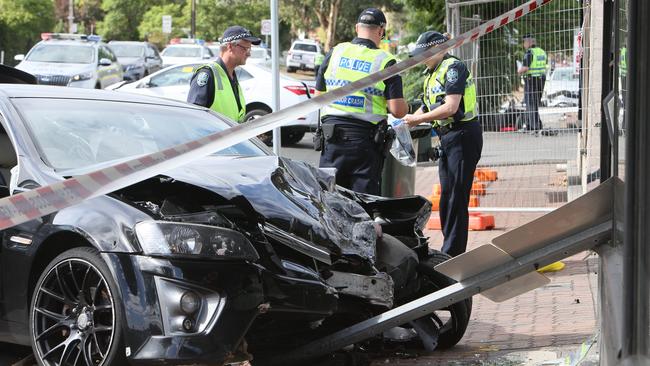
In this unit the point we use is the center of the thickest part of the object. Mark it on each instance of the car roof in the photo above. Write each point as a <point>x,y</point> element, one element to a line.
<point>128,42</point>
<point>70,42</point>
<point>59,92</point>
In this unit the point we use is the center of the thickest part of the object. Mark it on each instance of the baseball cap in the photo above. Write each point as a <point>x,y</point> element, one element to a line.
<point>237,32</point>
<point>528,36</point>
<point>427,40</point>
<point>372,16</point>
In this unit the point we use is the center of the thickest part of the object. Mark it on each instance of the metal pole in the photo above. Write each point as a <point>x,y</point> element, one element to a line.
<point>70,15</point>
<point>606,79</point>
<point>2,57</point>
<point>193,21</point>
<point>275,67</point>
<point>637,198</point>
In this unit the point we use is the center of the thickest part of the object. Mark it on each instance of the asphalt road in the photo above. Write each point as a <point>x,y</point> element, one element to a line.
<point>499,148</point>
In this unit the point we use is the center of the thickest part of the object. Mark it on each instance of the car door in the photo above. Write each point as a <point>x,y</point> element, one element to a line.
<point>106,74</point>
<point>152,59</point>
<point>173,83</point>
<point>115,70</point>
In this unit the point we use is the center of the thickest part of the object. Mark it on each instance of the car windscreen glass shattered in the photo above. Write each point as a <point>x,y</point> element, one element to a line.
<point>74,134</point>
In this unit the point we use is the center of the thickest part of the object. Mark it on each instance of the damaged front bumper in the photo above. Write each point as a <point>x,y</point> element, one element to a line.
<point>186,311</point>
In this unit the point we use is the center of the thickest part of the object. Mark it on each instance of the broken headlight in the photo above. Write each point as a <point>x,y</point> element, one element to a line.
<point>185,239</point>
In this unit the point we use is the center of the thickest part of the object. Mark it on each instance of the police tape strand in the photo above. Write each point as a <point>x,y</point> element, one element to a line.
<point>45,200</point>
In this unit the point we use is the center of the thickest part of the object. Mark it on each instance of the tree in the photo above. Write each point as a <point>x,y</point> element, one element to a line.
<point>151,26</point>
<point>122,19</point>
<point>335,17</point>
<point>21,23</point>
<point>213,17</point>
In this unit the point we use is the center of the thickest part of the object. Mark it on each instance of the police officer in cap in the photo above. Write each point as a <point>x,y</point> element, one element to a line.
<point>450,105</point>
<point>534,70</point>
<point>215,85</point>
<point>354,126</point>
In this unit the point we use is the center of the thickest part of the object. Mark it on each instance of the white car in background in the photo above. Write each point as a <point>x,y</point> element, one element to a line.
<point>176,54</point>
<point>256,82</point>
<point>304,54</point>
<point>75,60</point>
<point>562,88</point>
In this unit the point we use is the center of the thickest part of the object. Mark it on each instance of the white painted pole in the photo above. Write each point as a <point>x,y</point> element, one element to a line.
<point>275,67</point>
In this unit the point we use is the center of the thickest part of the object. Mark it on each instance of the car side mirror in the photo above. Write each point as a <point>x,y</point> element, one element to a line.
<point>105,62</point>
<point>207,56</point>
<point>19,57</point>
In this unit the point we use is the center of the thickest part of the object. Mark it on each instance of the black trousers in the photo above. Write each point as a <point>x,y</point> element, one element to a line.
<point>462,148</point>
<point>533,88</point>
<point>355,155</point>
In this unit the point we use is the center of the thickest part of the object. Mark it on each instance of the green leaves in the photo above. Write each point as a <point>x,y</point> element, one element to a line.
<point>21,23</point>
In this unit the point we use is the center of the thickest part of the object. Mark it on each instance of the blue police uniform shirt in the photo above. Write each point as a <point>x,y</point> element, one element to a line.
<point>202,87</point>
<point>394,89</point>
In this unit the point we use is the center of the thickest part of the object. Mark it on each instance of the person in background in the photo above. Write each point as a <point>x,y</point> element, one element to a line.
<point>215,85</point>
<point>534,71</point>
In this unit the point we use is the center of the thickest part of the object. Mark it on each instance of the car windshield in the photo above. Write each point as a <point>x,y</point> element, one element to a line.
<point>62,53</point>
<point>304,47</point>
<point>258,53</point>
<point>565,74</point>
<point>182,52</point>
<point>76,134</point>
<point>127,50</point>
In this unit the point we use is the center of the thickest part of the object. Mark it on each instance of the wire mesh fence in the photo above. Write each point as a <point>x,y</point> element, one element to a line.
<point>544,155</point>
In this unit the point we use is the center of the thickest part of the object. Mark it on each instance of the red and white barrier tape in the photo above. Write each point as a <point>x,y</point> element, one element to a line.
<point>42,201</point>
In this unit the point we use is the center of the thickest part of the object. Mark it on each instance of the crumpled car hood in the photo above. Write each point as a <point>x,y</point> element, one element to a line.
<point>290,195</point>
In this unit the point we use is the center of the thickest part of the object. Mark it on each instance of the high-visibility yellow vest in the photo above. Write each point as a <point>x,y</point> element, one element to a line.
<point>348,63</point>
<point>434,92</point>
<point>224,97</point>
<point>538,64</point>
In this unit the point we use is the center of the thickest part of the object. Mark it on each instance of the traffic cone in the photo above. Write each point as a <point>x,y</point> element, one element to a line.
<point>485,175</point>
<point>480,222</point>
<point>435,202</point>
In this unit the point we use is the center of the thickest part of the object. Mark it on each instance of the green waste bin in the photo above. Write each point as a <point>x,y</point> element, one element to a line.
<point>398,180</point>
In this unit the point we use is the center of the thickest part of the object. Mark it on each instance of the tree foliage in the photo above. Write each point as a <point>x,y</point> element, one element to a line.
<point>150,28</point>
<point>122,19</point>
<point>21,23</point>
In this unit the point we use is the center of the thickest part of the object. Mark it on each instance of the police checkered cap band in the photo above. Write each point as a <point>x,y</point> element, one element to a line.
<point>432,43</point>
<point>235,37</point>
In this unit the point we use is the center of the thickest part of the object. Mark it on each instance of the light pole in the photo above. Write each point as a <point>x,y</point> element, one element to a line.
<point>193,25</point>
<point>70,16</point>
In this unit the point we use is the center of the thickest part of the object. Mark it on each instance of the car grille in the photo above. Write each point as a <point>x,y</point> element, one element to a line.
<point>62,80</point>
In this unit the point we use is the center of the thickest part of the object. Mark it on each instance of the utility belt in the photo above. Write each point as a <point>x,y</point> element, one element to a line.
<point>454,126</point>
<point>337,132</point>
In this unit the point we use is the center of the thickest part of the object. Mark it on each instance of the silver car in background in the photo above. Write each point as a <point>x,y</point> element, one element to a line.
<point>138,59</point>
<point>71,60</point>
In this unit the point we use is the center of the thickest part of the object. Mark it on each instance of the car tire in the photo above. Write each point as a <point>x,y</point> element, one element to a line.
<point>76,314</point>
<point>291,69</point>
<point>266,137</point>
<point>292,136</point>
<point>453,327</point>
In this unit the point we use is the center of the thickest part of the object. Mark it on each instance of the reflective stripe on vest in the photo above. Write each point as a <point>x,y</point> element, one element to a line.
<point>622,65</point>
<point>224,97</point>
<point>538,64</point>
<point>434,92</point>
<point>348,63</point>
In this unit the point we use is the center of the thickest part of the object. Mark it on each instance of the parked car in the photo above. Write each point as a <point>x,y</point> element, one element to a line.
<point>562,88</point>
<point>234,255</point>
<point>256,82</point>
<point>138,59</point>
<point>71,60</point>
<point>304,55</point>
<point>259,56</point>
<point>507,118</point>
<point>181,53</point>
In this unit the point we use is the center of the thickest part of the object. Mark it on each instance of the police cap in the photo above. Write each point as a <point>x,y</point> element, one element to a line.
<point>237,32</point>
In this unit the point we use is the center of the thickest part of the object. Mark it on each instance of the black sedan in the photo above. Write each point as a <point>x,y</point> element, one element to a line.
<point>138,59</point>
<point>236,254</point>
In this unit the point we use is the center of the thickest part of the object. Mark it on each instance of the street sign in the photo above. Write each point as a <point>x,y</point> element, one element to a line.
<point>166,23</point>
<point>266,27</point>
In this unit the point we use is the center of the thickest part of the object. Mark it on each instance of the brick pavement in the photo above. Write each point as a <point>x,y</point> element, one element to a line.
<point>545,324</point>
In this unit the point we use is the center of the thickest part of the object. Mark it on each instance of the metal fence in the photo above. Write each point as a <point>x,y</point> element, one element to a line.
<point>542,169</point>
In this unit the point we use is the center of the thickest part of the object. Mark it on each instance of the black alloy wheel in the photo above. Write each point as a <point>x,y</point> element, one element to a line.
<point>75,314</point>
